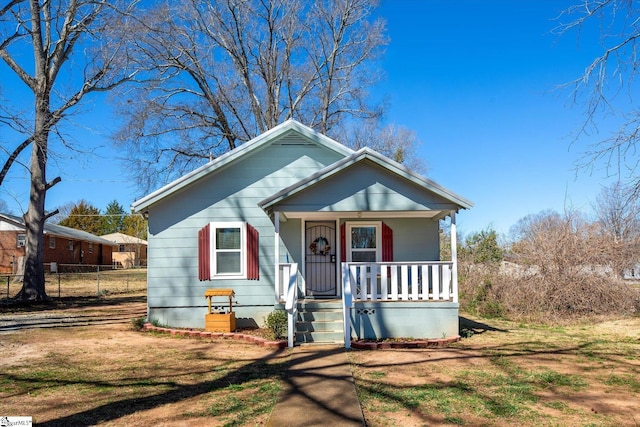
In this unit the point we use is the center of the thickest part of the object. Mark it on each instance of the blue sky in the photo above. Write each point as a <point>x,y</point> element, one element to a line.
<point>475,80</point>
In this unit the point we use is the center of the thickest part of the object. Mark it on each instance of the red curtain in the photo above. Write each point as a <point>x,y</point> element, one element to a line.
<point>204,253</point>
<point>387,243</point>
<point>253,254</point>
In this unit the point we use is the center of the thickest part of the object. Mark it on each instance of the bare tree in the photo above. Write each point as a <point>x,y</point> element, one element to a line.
<point>74,49</point>
<point>396,142</point>
<point>557,245</point>
<point>4,208</point>
<point>618,217</point>
<point>229,70</point>
<point>608,85</point>
<point>563,271</point>
<point>617,213</point>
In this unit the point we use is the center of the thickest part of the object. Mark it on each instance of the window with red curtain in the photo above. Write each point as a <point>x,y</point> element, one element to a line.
<point>228,250</point>
<point>364,242</point>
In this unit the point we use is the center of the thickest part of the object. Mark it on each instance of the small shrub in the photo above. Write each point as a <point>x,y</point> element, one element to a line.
<point>277,324</point>
<point>157,324</point>
<point>138,323</point>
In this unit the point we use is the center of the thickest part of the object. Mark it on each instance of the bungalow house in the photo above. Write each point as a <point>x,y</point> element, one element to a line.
<point>131,251</point>
<point>62,245</point>
<point>346,241</point>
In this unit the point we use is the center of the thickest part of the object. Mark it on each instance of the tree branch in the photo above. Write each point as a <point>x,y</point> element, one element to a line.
<point>14,155</point>
<point>52,183</point>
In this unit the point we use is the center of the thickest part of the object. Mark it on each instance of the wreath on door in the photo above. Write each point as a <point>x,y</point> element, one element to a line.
<point>320,246</point>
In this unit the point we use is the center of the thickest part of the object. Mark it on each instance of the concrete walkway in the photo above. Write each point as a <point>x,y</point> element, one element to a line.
<point>319,390</point>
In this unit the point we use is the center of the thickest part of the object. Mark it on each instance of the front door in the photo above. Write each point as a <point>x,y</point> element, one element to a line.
<point>320,259</point>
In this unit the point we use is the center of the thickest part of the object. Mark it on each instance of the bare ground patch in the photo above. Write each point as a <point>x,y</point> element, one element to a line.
<point>106,373</point>
<point>509,374</point>
<point>504,374</point>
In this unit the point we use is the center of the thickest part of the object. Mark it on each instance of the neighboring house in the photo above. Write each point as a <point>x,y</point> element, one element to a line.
<point>62,245</point>
<point>130,251</point>
<point>353,231</point>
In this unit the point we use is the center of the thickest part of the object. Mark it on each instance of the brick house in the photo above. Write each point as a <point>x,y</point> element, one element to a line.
<point>62,245</point>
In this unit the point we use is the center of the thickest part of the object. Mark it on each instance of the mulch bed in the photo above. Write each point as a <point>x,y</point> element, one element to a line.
<point>396,343</point>
<point>259,337</point>
<point>254,336</point>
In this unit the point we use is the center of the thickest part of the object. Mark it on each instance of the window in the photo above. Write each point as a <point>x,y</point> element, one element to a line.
<point>228,250</point>
<point>364,242</point>
<point>70,245</point>
<point>90,247</point>
<point>21,240</point>
<point>52,242</point>
<point>121,248</point>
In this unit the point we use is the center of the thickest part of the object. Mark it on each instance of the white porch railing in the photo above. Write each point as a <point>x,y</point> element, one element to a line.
<point>287,291</point>
<point>388,281</point>
<point>401,281</point>
<point>395,281</point>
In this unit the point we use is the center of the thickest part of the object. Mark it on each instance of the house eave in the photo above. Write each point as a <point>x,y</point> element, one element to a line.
<point>269,203</point>
<point>61,231</point>
<point>331,215</point>
<point>290,125</point>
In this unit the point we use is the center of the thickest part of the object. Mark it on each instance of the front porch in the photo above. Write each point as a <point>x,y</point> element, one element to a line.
<point>379,300</point>
<point>366,230</point>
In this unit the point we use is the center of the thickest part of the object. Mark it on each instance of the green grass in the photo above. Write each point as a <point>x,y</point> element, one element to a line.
<point>238,404</point>
<point>528,376</point>
<point>629,381</point>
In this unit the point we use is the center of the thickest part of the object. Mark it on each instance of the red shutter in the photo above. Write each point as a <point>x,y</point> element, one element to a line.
<point>343,242</point>
<point>253,254</point>
<point>204,253</point>
<point>387,243</point>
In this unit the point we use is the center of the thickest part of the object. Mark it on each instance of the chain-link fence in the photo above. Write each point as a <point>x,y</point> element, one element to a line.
<point>81,281</point>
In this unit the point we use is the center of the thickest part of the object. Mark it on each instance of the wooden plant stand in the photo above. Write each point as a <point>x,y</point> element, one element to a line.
<point>220,322</point>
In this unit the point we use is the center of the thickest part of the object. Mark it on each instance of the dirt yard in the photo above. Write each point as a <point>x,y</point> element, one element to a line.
<point>507,374</point>
<point>94,369</point>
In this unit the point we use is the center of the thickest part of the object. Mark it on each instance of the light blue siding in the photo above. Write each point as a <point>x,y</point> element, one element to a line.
<point>376,320</point>
<point>175,296</point>
<point>364,187</point>
<point>414,239</point>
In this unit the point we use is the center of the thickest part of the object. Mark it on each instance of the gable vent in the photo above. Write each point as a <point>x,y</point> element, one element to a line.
<point>292,138</point>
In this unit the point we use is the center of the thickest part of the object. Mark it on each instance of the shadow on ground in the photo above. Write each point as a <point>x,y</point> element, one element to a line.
<point>468,327</point>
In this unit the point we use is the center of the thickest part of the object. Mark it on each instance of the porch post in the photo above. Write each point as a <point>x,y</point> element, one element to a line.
<point>276,251</point>
<point>454,257</point>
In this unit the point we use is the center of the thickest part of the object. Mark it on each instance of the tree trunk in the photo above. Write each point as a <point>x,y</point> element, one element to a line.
<point>33,288</point>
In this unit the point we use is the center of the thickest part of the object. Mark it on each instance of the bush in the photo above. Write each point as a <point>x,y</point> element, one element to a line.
<point>138,323</point>
<point>559,272</point>
<point>277,324</point>
<point>520,294</point>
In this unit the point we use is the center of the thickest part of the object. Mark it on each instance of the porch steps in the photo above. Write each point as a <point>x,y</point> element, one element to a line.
<point>319,322</point>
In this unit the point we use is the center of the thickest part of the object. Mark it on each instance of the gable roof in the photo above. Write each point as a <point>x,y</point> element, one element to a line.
<point>279,131</point>
<point>123,239</point>
<point>357,157</point>
<point>59,231</point>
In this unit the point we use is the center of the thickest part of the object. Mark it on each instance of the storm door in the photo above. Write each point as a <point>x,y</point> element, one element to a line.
<point>320,259</point>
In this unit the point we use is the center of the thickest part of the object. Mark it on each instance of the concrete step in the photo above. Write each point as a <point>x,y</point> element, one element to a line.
<point>331,304</point>
<point>319,337</point>
<point>319,316</point>
<point>319,321</point>
<point>319,326</point>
